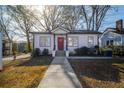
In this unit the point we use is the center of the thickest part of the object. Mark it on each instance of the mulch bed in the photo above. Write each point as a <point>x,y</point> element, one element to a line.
<point>99,73</point>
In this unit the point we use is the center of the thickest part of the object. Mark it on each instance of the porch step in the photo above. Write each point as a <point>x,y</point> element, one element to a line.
<point>60,53</point>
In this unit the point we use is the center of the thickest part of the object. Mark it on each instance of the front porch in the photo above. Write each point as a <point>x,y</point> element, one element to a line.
<point>60,42</point>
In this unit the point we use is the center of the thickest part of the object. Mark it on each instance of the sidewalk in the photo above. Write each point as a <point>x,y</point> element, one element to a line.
<point>60,75</point>
<point>87,57</point>
<point>18,57</point>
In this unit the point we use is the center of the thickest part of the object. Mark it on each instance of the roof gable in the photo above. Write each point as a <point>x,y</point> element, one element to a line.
<point>60,30</point>
<point>110,34</point>
<point>114,30</point>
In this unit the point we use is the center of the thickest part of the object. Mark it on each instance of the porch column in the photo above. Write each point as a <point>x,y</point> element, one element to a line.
<point>54,47</point>
<point>66,42</point>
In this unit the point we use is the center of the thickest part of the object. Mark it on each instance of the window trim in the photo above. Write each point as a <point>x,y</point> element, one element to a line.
<point>44,45</point>
<point>73,43</point>
<point>89,42</point>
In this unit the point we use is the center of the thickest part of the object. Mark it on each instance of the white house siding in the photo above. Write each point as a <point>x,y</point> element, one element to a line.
<point>117,38</point>
<point>123,40</point>
<point>83,40</point>
<point>1,65</point>
<point>37,45</point>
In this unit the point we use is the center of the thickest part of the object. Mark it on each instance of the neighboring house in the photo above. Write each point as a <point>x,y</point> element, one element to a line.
<point>7,45</point>
<point>65,40</point>
<point>113,36</point>
<point>21,46</point>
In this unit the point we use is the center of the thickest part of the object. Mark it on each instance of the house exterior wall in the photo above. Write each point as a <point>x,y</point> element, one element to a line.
<point>123,40</point>
<point>83,40</point>
<point>117,39</point>
<point>37,42</point>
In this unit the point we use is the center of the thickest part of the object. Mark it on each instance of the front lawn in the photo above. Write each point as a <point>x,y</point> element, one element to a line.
<point>24,73</point>
<point>99,73</point>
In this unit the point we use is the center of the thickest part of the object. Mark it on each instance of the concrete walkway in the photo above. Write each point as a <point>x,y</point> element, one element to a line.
<point>87,57</point>
<point>60,75</point>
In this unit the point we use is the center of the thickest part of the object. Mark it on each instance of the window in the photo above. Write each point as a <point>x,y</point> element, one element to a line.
<point>44,41</point>
<point>73,41</point>
<point>111,42</point>
<point>107,42</point>
<point>90,41</point>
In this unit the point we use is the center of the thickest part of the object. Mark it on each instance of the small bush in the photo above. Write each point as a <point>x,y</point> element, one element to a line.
<point>45,52</point>
<point>81,51</point>
<point>91,51</point>
<point>71,54</point>
<point>106,51</point>
<point>37,52</point>
<point>118,50</point>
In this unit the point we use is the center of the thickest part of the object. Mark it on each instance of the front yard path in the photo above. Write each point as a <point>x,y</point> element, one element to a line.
<point>60,75</point>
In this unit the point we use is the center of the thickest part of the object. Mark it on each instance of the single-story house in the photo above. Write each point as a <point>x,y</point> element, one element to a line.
<point>65,40</point>
<point>113,36</point>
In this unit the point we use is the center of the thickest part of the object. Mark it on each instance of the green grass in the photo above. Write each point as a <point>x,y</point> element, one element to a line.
<point>24,73</point>
<point>100,73</point>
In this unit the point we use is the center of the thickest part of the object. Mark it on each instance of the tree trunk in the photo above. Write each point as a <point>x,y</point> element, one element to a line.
<point>28,42</point>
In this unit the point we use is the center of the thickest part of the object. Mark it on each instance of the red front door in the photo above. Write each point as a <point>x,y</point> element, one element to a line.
<point>60,43</point>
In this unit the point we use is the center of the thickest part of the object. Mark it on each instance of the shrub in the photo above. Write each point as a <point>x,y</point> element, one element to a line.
<point>71,54</point>
<point>37,52</point>
<point>118,50</point>
<point>106,51</point>
<point>81,51</point>
<point>91,51</point>
<point>97,49</point>
<point>45,52</point>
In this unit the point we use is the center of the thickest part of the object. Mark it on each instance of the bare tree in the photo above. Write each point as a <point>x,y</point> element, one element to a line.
<point>51,17</point>
<point>94,15</point>
<point>23,17</point>
<point>71,16</point>
<point>5,21</point>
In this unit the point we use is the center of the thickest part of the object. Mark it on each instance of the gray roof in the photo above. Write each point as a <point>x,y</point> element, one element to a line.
<point>114,30</point>
<point>84,32</point>
<point>40,32</point>
<point>72,32</point>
